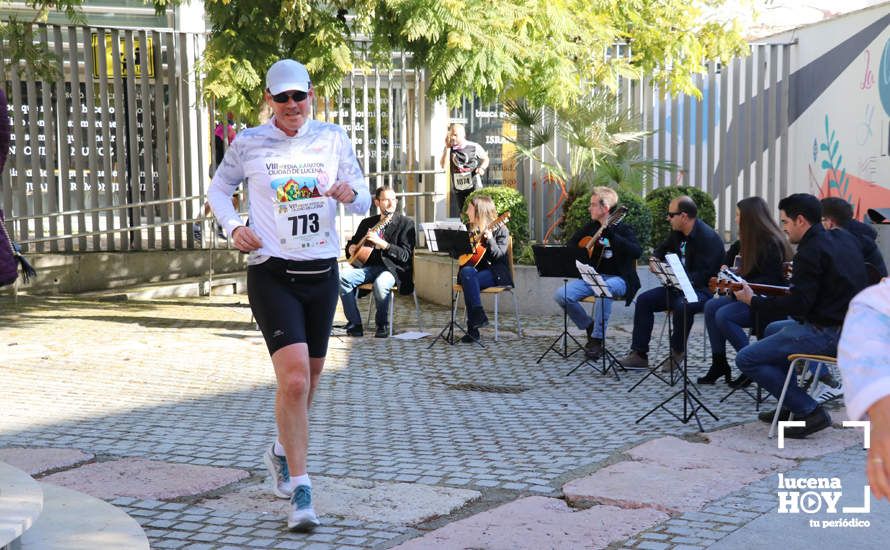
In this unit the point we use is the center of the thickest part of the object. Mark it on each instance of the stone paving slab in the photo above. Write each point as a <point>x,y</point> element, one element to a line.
<point>356,499</point>
<point>538,523</point>
<point>683,455</point>
<point>38,460</point>
<point>136,477</point>
<point>752,437</point>
<point>633,484</point>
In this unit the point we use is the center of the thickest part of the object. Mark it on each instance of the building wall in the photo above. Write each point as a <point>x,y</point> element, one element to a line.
<point>840,108</point>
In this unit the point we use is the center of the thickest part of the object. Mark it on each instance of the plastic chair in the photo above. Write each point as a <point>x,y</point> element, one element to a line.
<point>497,291</point>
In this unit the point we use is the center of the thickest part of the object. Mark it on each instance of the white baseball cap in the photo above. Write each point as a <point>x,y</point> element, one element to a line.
<point>285,75</point>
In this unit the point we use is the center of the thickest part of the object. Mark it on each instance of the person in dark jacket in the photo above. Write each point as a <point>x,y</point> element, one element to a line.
<point>838,213</point>
<point>829,271</point>
<point>614,256</point>
<point>391,261</point>
<point>492,270</point>
<point>700,250</point>
<point>763,249</point>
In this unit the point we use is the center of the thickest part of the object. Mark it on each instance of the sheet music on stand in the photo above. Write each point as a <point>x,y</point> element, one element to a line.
<point>671,273</point>
<point>593,279</point>
<point>429,231</point>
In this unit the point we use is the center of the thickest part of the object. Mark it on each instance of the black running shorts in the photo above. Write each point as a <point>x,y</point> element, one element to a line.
<point>294,302</point>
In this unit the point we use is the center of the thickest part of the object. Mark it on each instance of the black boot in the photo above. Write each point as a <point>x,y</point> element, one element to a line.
<point>719,367</point>
<point>743,381</point>
<point>594,348</point>
<point>476,317</point>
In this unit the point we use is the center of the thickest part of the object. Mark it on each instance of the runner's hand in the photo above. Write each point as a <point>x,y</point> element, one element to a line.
<point>245,239</point>
<point>341,192</point>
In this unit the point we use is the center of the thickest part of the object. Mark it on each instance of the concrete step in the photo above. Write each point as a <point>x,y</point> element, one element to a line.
<point>225,284</point>
<point>76,521</point>
<point>21,502</point>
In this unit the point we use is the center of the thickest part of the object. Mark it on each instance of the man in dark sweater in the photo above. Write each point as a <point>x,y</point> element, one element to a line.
<point>614,256</point>
<point>701,252</point>
<point>838,214</point>
<point>390,262</point>
<point>829,271</point>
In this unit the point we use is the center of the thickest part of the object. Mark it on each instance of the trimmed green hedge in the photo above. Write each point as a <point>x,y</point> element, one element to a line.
<point>659,199</point>
<point>638,216</point>
<point>506,198</point>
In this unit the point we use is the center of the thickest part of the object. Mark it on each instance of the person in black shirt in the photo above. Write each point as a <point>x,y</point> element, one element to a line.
<point>614,256</point>
<point>762,249</point>
<point>838,213</point>
<point>829,271</point>
<point>390,262</point>
<point>701,251</point>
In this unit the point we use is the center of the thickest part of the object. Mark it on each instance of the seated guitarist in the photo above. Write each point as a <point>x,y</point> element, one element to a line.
<point>614,256</point>
<point>493,270</point>
<point>700,250</point>
<point>763,249</point>
<point>390,260</point>
<point>829,271</point>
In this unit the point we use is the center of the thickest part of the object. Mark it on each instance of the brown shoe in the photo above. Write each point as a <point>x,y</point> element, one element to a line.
<point>634,361</point>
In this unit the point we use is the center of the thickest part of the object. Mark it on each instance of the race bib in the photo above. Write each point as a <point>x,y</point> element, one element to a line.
<point>303,223</point>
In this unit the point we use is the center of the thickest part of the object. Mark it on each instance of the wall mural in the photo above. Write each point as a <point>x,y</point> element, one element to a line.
<point>834,152</point>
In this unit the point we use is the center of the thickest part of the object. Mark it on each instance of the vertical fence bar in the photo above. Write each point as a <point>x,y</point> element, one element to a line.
<point>175,130</point>
<point>686,139</point>
<point>736,149</point>
<point>37,198</point>
<point>65,138</point>
<point>92,159</point>
<point>106,143</point>
<point>147,137</point>
<point>20,198</point>
<point>783,121</point>
<point>161,137</point>
<point>701,181</point>
<point>183,42</point>
<point>770,110</point>
<point>748,119</point>
<point>49,132</point>
<point>78,197</point>
<point>712,182</point>
<point>134,193</point>
<point>723,132</point>
<point>121,136</point>
<point>662,135</point>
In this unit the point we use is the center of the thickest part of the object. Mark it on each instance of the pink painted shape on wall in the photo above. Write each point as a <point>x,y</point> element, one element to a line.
<point>862,194</point>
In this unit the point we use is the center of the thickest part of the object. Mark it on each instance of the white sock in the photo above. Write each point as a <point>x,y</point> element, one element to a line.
<point>278,448</point>
<point>301,480</point>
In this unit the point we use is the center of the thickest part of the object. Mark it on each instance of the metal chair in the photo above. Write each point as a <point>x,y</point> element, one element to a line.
<point>392,305</point>
<point>497,291</point>
<point>800,362</point>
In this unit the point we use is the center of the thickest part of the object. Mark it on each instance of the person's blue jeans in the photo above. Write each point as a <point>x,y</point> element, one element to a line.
<point>350,279</point>
<point>658,299</point>
<point>727,320</point>
<point>577,290</point>
<point>473,282</point>
<point>766,361</point>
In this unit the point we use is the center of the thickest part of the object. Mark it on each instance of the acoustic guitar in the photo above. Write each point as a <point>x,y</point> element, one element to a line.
<point>474,258</point>
<point>727,282</point>
<point>591,244</point>
<point>363,250</point>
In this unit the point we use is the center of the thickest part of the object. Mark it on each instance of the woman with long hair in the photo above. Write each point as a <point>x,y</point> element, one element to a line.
<point>492,270</point>
<point>763,248</point>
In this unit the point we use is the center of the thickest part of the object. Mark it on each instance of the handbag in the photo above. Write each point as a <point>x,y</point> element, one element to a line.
<point>11,258</point>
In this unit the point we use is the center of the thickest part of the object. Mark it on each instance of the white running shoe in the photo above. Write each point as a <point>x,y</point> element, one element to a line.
<point>301,516</point>
<point>279,475</point>
<point>826,392</point>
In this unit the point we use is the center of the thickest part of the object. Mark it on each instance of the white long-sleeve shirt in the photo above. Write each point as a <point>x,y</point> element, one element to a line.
<point>287,178</point>
<point>863,352</point>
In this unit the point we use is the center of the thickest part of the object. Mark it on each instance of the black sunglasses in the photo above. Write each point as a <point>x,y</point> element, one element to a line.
<point>297,96</point>
<point>672,214</point>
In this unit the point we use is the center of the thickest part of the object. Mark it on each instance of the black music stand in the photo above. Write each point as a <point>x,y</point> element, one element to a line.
<point>602,291</point>
<point>558,261</point>
<point>676,279</point>
<point>455,243</point>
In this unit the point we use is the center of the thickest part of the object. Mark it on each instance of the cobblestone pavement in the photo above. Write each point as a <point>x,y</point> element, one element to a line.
<point>189,381</point>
